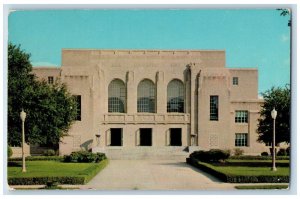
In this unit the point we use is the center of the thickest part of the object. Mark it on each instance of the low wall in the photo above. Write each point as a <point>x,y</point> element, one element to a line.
<point>17,151</point>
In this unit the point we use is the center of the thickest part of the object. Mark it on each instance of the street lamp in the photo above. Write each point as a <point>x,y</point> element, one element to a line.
<point>273,114</point>
<point>23,117</point>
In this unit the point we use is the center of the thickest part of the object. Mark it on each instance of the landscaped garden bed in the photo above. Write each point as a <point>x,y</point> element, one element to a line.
<point>77,168</point>
<point>234,170</point>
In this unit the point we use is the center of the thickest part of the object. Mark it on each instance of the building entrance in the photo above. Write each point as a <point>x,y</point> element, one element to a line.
<point>146,137</point>
<point>116,137</point>
<point>175,137</point>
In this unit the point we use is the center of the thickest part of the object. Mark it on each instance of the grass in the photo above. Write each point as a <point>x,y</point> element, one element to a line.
<point>262,187</point>
<point>56,169</point>
<point>249,171</point>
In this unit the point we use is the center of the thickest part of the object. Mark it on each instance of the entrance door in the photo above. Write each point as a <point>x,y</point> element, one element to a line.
<point>175,137</point>
<point>146,137</point>
<point>116,137</point>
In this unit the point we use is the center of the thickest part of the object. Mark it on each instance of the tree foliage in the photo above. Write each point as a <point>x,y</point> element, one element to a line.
<point>280,99</point>
<point>48,107</point>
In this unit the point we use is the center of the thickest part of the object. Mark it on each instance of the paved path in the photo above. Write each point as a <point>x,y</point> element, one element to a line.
<point>153,175</point>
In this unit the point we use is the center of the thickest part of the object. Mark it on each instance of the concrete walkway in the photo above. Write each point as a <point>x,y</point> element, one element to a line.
<point>154,175</point>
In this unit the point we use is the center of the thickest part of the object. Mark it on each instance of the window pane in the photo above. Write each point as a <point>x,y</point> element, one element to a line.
<point>78,107</point>
<point>146,97</point>
<point>116,96</point>
<point>175,98</point>
<point>214,106</point>
<point>241,116</point>
<point>241,139</point>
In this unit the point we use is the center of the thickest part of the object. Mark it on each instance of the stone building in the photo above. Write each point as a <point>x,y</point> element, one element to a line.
<point>159,100</point>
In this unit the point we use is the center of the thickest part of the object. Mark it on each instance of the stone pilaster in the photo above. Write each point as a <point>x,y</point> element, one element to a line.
<point>161,92</point>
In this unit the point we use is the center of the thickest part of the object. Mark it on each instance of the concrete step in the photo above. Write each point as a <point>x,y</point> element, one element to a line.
<point>168,152</point>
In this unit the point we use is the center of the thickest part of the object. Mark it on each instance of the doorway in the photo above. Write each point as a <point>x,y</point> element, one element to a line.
<point>116,137</point>
<point>145,137</point>
<point>175,137</point>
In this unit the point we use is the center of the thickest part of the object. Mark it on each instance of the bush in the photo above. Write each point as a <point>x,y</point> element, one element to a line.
<point>84,156</point>
<point>49,152</point>
<point>282,152</point>
<point>9,152</point>
<point>264,154</point>
<point>238,152</point>
<point>250,157</point>
<point>213,155</point>
<point>45,180</point>
<point>38,158</point>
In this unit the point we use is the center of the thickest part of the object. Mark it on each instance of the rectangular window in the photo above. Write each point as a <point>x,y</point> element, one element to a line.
<point>78,106</point>
<point>214,108</point>
<point>50,80</point>
<point>241,139</point>
<point>235,81</point>
<point>241,116</point>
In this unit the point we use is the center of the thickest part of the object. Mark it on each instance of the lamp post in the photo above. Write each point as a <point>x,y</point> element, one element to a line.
<point>273,114</point>
<point>23,116</point>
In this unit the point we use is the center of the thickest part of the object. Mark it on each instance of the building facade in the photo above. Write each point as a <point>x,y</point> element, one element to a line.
<point>134,99</point>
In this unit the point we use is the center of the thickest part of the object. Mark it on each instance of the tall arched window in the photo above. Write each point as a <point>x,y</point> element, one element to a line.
<point>116,96</point>
<point>146,96</point>
<point>175,96</point>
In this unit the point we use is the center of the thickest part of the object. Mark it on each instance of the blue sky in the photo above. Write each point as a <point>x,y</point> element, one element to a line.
<point>252,38</point>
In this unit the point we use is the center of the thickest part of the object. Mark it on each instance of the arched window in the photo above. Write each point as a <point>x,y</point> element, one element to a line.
<point>146,97</point>
<point>116,96</point>
<point>175,96</point>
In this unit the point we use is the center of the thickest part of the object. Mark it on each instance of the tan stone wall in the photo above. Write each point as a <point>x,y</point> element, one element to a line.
<point>17,151</point>
<point>89,72</point>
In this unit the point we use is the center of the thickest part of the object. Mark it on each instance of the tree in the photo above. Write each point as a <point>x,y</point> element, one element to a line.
<point>280,99</point>
<point>49,108</point>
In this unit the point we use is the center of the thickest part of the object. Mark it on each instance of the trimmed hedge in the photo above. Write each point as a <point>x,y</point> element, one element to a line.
<point>38,158</point>
<point>237,178</point>
<point>255,164</point>
<point>82,178</point>
<point>213,155</point>
<point>49,152</point>
<point>44,180</point>
<point>84,156</point>
<point>249,157</point>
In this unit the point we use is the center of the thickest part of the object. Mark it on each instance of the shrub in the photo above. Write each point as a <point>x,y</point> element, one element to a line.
<point>264,154</point>
<point>9,152</point>
<point>213,155</point>
<point>44,180</point>
<point>84,156</point>
<point>282,152</point>
<point>238,152</point>
<point>49,152</point>
<point>38,158</point>
<point>250,157</point>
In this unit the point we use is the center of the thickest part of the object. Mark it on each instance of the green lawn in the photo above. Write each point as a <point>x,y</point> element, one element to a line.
<point>249,171</point>
<point>55,169</point>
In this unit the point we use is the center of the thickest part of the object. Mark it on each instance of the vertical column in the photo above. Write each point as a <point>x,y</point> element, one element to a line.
<point>137,137</point>
<point>108,138</point>
<point>161,91</point>
<point>131,93</point>
<point>168,137</point>
<point>188,101</point>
